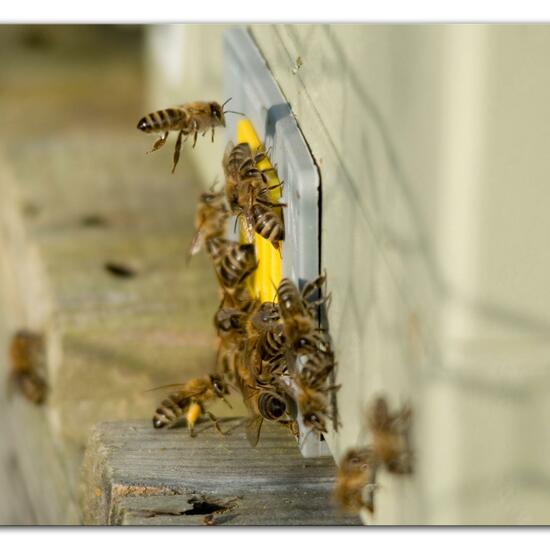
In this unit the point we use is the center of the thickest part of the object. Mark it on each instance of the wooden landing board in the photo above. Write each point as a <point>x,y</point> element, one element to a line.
<point>135,475</point>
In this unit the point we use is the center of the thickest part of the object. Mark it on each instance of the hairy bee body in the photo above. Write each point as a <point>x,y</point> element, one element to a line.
<point>263,404</point>
<point>210,220</point>
<point>26,358</point>
<point>268,224</point>
<point>233,261</point>
<point>356,472</point>
<point>190,401</point>
<point>173,118</point>
<point>247,192</point>
<point>187,119</point>
<point>390,448</point>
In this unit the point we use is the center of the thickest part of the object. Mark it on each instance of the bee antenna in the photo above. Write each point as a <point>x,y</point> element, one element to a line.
<point>226,102</point>
<point>234,112</point>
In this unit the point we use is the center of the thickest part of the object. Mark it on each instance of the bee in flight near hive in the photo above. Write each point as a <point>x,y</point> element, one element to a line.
<point>390,448</point>
<point>190,402</point>
<point>190,118</point>
<point>27,358</point>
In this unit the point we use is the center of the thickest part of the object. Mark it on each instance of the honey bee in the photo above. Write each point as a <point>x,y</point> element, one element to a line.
<point>390,448</point>
<point>297,309</point>
<point>26,358</point>
<point>247,193</point>
<point>264,403</point>
<point>391,436</point>
<point>356,472</point>
<point>312,403</point>
<point>190,401</point>
<point>186,119</point>
<point>230,325</point>
<point>239,163</point>
<point>210,220</point>
<point>265,343</point>
<point>233,261</point>
<point>268,224</point>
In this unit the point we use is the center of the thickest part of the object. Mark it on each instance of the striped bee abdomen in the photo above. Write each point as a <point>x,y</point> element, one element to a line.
<point>268,224</point>
<point>238,262</point>
<point>162,121</point>
<point>172,408</point>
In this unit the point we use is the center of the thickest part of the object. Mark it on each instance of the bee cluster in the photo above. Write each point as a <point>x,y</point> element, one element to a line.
<point>274,353</point>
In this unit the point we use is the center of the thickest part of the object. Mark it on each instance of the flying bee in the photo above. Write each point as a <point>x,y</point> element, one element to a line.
<point>210,220</point>
<point>391,436</point>
<point>26,357</point>
<point>356,472</point>
<point>389,448</point>
<point>186,119</point>
<point>233,261</point>
<point>190,402</point>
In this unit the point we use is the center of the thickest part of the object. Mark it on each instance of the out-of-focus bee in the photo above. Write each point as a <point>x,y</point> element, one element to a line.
<point>247,193</point>
<point>357,472</point>
<point>264,403</point>
<point>230,325</point>
<point>186,119</point>
<point>391,436</point>
<point>210,220</point>
<point>27,358</point>
<point>233,261</point>
<point>190,402</point>
<point>389,448</point>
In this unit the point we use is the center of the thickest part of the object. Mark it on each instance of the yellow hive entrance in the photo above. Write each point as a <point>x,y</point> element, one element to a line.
<point>269,272</point>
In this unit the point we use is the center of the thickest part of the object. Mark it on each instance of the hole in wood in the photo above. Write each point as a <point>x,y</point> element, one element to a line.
<point>203,507</point>
<point>120,270</point>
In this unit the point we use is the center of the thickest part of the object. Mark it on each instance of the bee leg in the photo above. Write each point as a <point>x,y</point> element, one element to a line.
<point>159,143</point>
<point>195,133</point>
<point>212,134</point>
<point>216,423</point>
<point>177,151</point>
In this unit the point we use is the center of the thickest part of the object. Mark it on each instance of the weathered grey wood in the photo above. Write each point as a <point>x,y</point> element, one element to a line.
<point>135,475</point>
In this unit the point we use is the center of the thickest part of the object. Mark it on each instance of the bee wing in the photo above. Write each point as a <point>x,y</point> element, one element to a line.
<point>196,244</point>
<point>253,428</point>
<point>182,390</point>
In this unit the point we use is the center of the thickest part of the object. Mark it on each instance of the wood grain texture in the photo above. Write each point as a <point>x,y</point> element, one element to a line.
<point>135,475</point>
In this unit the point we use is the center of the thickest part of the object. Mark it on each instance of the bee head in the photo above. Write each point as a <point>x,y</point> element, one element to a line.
<point>216,111</point>
<point>219,386</point>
